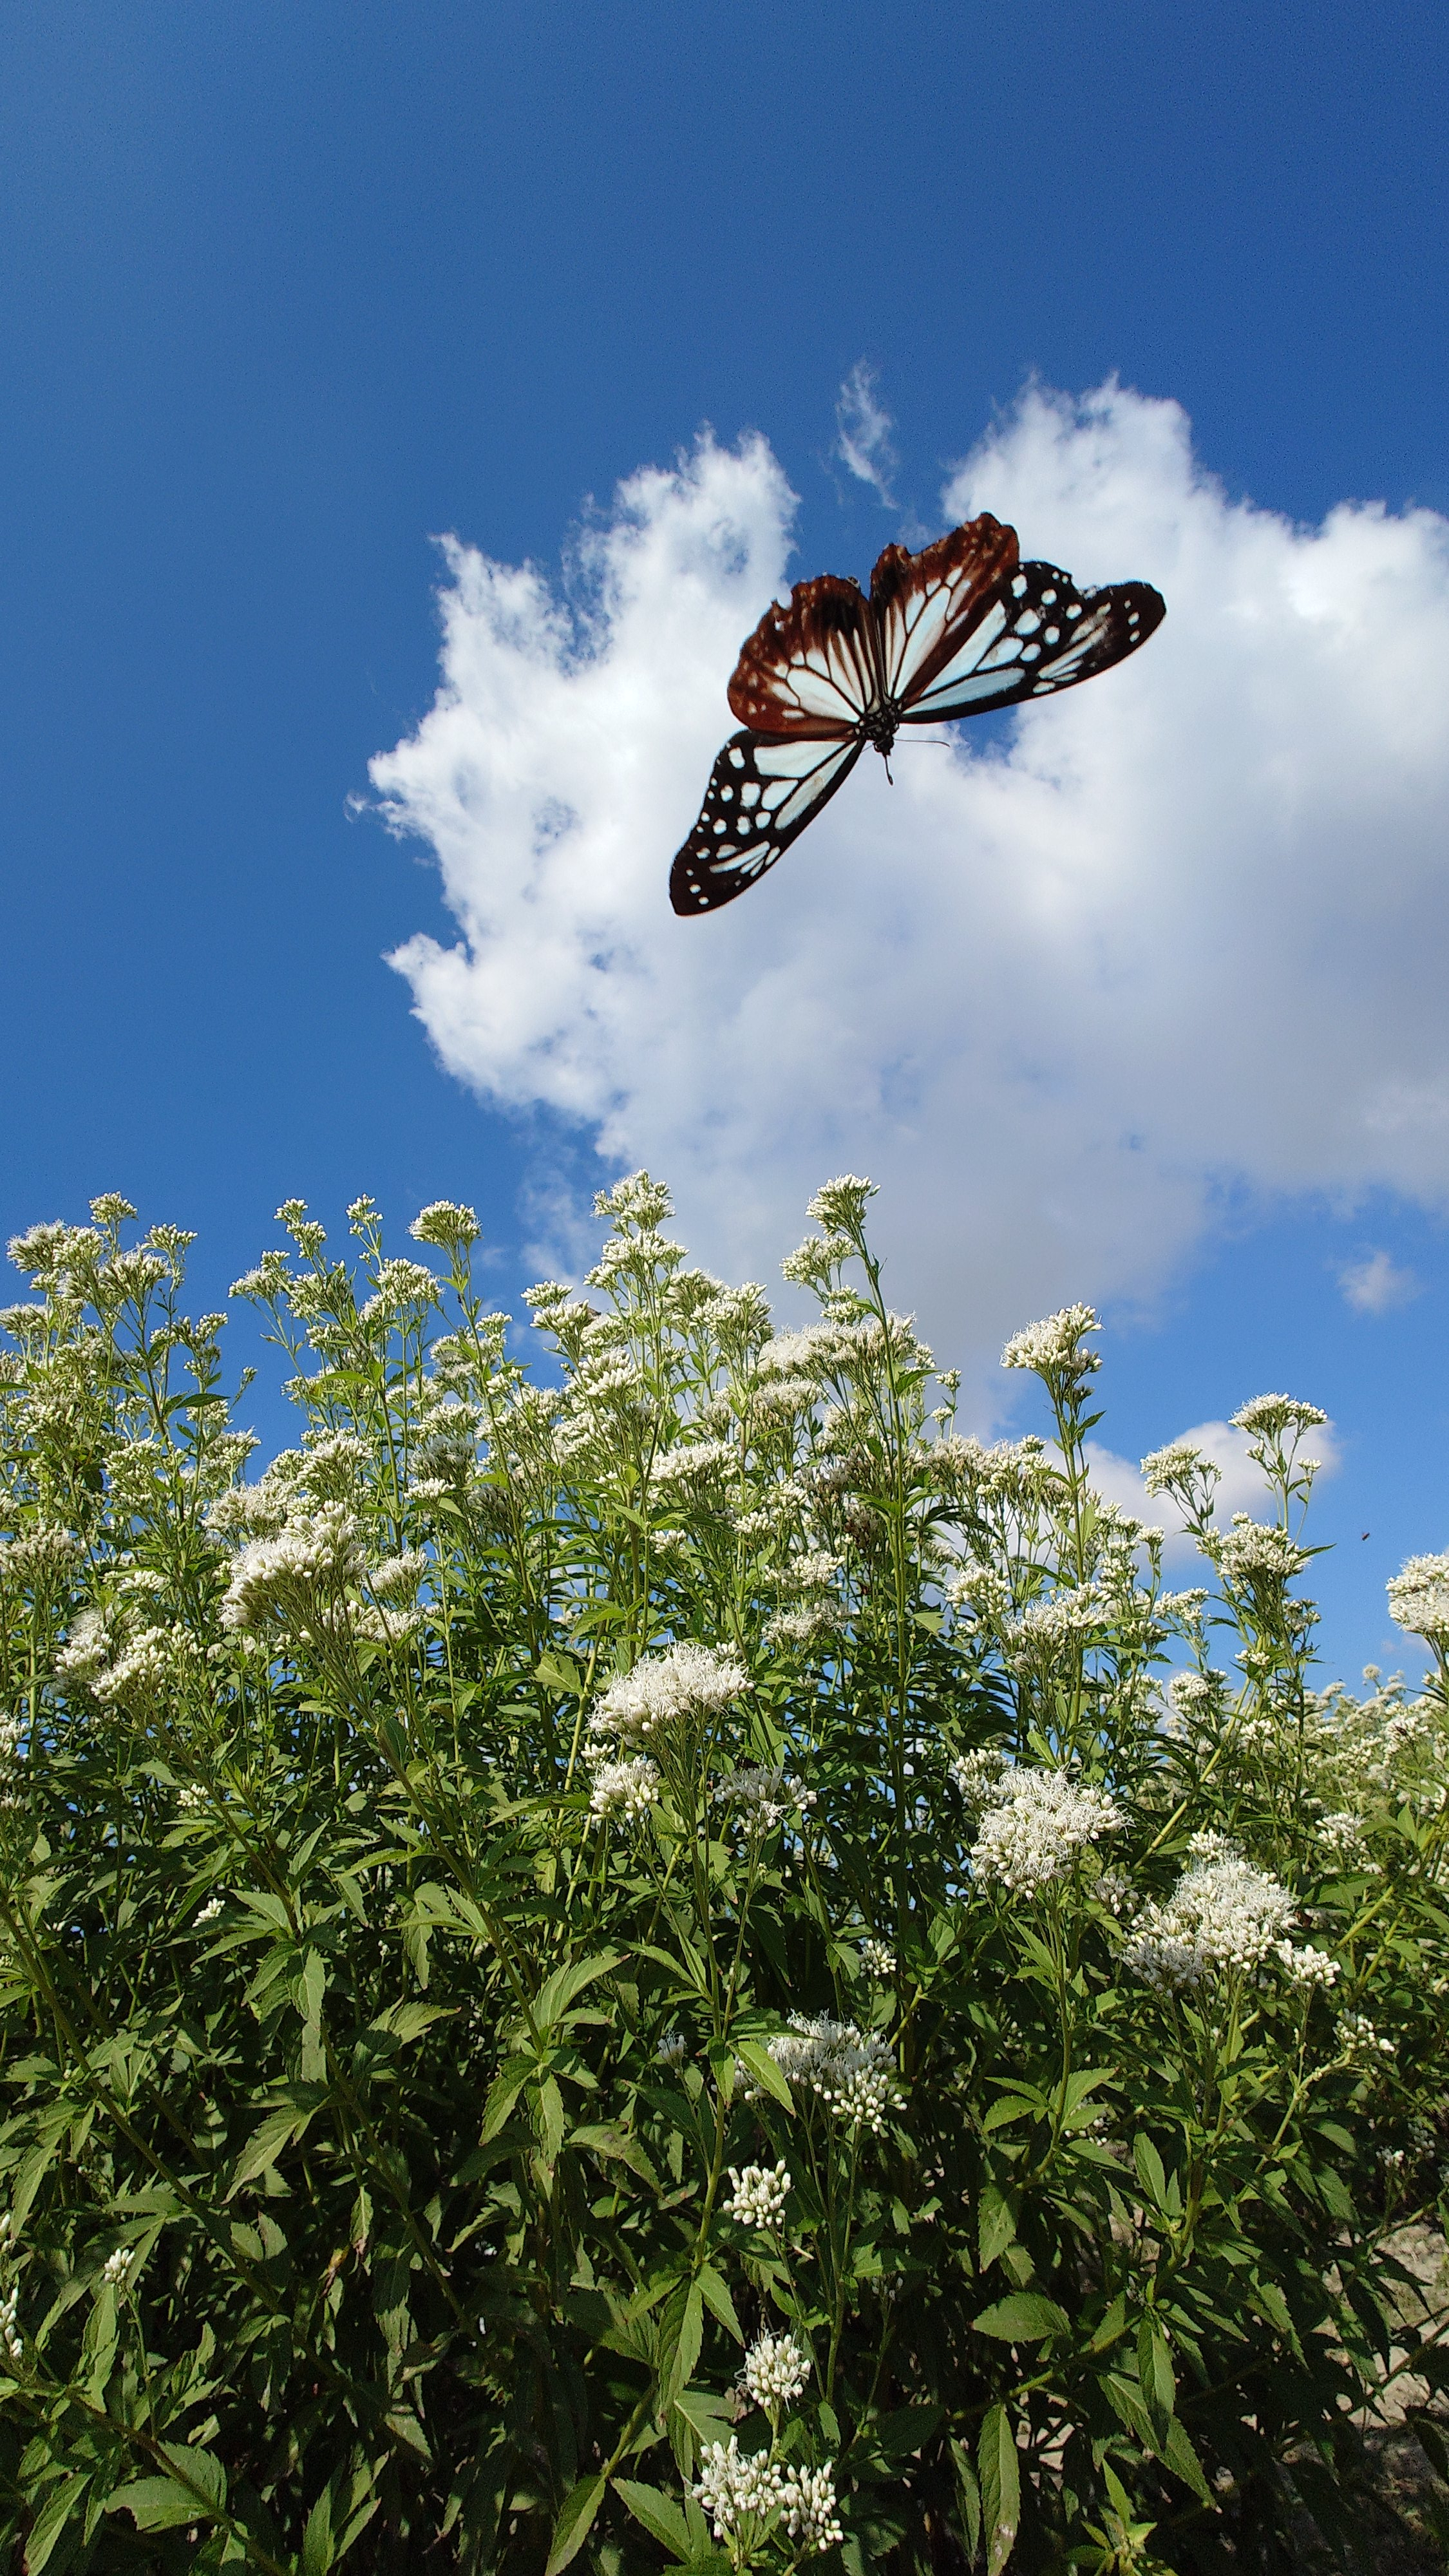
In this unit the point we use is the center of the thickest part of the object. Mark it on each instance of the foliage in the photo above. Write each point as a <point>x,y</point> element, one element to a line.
<point>637,1971</point>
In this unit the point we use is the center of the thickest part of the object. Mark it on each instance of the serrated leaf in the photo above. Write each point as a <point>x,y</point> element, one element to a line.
<point>279,2129</point>
<point>1150,2170</point>
<point>567,1983</point>
<point>717,2298</point>
<point>1012,2106</point>
<point>1154,2370</point>
<point>575,2519</point>
<point>52,2518</point>
<point>995,2225</point>
<point>660,2515</point>
<point>1000,2479</point>
<point>1023,2317</point>
<point>1179,2455</point>
<point>757,2062</point>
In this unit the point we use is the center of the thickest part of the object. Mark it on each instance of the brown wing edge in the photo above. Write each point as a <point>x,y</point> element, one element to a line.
<point>975,559</point>
<point>828,606</point>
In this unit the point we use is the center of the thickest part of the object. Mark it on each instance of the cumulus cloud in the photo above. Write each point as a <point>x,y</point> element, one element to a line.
<point>863,432</point>
<point>1243,1486</point>
<point>1376,1284</point>
<point>1179,936</point>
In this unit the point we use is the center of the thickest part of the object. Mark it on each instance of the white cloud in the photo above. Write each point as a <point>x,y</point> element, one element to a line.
<point>863,432</point>
<point>1243,1486</point>
<point>1376,1284</point>
<point>1183,933</point>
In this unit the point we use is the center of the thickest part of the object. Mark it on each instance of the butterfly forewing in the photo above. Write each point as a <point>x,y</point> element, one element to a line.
<point>762,792</point>
<point>810,669</point>
<point>928,605</point>
<point>1035,634</point>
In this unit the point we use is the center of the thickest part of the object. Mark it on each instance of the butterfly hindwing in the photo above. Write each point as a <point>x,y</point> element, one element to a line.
<point>1034,634</point>
<point>927,605</point>
<point>811,668</point>
<point>762,792</point>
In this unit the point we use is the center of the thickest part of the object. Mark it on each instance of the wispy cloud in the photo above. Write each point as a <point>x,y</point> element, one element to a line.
<point>1040,993</point>
<point>1376,1284</point>
<point>863,432</point>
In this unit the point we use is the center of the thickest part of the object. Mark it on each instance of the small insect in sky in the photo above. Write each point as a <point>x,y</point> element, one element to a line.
<point>957,630</point>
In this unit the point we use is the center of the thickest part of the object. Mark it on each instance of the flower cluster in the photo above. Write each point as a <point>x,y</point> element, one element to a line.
<point>758,2194</point>
<point>775,2371</point>
<point>764,1798</point>
<point>850,2070</point>
<point>663,1691</point>
<point>735,2486</point>
<point>1037,1823</point>
<point>625,1790</point>
<point>1419,1597</point>
<point>1055,1346</point>
<point>316,1553</point>
<point>877,1958</point>
<point>1222,1915</point>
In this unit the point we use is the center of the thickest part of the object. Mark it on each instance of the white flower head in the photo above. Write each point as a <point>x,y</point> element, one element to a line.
<point>775,2371</point>
<point>1271,1415</point>
<point>877,1958</point>
<point>1037,1824</point>
<point>1056,1346</point>
<point>852,2071</point>
<point>663,1691</point>
<point>807,2497</point>
<point>758,2194</point>
<point>1419,1596</point>
<point>735,2486</point>
<point>625,1790</point>
<point>1223,1915</point>
<point>117,2267</point>
<point>763,1798</point>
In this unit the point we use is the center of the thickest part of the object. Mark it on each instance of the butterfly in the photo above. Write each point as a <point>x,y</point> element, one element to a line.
<point>956,630</point>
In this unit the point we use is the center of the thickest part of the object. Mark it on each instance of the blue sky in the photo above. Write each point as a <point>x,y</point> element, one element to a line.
<point>289,291</point>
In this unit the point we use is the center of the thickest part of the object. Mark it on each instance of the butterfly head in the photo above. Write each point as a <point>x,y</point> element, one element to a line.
<point>880,724</point>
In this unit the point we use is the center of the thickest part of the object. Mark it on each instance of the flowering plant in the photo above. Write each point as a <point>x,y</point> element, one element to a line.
<point>669,1962</point>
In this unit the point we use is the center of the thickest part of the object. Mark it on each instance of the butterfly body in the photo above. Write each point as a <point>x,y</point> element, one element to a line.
<point>957,630</point>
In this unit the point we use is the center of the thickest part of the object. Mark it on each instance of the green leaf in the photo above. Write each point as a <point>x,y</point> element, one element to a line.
<point>558,1672</point>
<point>52,2518</point>
<point>995,2225</point>
<point>1000,2476</point>
<point>758,2063</point>
<point>503,2092</point>
<point>1012,2106</point>
<point>660,2515</point>
<point>970,2492</point>
<point>717,2298</point>
<point>561,1989</point>
<point>317,2550</point>
<point>575,2518</point>
<point>409,2020</point>
<point>1154,2369</point>
<point>549,2119</point>
<point>1024,2317</point>
<point>1150,2170</point>
<point>1179,2455</point>
<point>279,2129</point>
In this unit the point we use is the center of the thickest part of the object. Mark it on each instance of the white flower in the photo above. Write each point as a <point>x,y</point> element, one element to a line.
<point>839,1205</point>
<point>759,2194</point>
<point>1341,1833</point>
<point>671,2048</point>
<point>733,2484</point>
<point>1046,1628</point>
<point>192,1798</point>
<point>117,2267</point>
<point>690,1461</point>
<point>1038,1822</point>
<point>977,1774</point>
<point>10,2334</point>
<point>316,1552</point>
<point>1272,1414</point>
<point>685,1681</point>
<point>398,1577</point>
<point>877,1958</point>
<point>808,2499</point>
<point>445,1225</point>
<point>1308,1966</point>
<point>627,1789</point>
<point>1222,1915</point>
<point>1164,1469</point>
<point>850,2070</point>
<point>209,1912</point>
<point>765,1797</point>
<point>1419,1596</point>
<point>1358,2036</point>
<point>1256,1551</point>
<point>775,2371</point>
<point>1055,1344</point>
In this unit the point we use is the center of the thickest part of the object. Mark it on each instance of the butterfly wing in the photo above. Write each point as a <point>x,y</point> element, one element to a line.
<point>811,669</point>
<point>763,790</point>
<point>1030,634</point>
<point>928,605</point>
